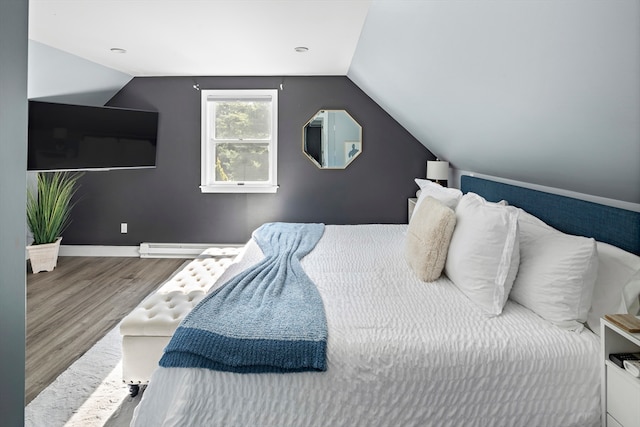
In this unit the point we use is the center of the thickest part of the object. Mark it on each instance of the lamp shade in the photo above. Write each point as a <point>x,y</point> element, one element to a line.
<point>438,170</point>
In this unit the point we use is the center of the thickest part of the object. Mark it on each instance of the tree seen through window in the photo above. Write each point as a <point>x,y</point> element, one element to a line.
<point>243,129</point>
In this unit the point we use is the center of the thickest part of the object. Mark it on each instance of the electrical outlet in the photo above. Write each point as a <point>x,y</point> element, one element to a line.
<point>123,227</point>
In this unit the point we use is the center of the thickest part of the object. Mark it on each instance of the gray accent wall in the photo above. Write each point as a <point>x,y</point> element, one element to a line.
<point>545,92</point>
<point>165,204</point>
<point>13,164</point>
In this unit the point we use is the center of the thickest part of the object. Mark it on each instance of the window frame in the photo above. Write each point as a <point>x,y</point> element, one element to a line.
<point>208,184</point>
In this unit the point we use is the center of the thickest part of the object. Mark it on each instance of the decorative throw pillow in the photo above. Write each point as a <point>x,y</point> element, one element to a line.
<point>448,196</point>
<point>557,273</point>
<point>613,291</point>
<point>428,238</point>
<point>483,254</point>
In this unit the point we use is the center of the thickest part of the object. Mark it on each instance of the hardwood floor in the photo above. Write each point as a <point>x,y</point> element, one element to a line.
<point>70,308</point>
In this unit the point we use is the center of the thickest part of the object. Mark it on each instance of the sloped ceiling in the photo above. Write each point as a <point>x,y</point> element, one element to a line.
<point>57,76</point>
<point>546,92</point>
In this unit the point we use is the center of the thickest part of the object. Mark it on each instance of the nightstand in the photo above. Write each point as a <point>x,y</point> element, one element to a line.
<point>620,391</point>
<point>411,205</point>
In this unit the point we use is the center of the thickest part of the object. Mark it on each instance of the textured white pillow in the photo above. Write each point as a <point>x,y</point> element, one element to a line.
<point>557,273</point>
<point>428,238</point>
<point>448,196</point>
<point>483,254</point>
<point>613,290</point>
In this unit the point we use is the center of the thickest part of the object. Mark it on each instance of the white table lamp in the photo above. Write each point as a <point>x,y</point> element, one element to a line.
<point>438,171</point>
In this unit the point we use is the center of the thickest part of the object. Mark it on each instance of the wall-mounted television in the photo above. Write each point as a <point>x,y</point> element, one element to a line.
<point>80,137</point>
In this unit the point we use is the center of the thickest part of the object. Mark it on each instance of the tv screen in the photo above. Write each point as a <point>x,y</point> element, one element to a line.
<point>78,137</point>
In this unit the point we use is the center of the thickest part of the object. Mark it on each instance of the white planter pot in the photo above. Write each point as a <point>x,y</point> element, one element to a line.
<point>44,257</point>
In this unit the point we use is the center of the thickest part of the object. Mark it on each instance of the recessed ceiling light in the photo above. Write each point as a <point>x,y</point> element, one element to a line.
<point>118,50</point>
<point>301,49</point>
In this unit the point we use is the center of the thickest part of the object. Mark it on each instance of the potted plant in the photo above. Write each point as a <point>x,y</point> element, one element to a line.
<point>48,215</point>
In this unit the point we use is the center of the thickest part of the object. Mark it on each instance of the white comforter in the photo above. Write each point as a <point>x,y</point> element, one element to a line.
<point>400,353</point>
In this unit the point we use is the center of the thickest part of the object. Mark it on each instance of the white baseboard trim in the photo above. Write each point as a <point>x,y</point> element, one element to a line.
<point>145,250</point>
<point>103,251</point>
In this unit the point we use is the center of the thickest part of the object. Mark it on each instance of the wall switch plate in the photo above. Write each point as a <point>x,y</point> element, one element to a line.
<point>123,228</point>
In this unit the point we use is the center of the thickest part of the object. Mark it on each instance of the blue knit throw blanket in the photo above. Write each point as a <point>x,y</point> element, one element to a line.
<point>268,318</point>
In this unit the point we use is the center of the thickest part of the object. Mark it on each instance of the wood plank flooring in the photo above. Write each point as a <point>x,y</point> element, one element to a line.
<point>72,307</point>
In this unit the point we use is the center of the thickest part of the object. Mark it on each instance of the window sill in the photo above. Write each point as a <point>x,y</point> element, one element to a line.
<point>238,188</point>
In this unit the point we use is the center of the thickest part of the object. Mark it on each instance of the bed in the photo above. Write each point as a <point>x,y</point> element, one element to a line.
<point>404,352</point>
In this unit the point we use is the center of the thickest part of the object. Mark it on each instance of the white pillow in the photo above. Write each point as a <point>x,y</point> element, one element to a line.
<point>631,295</point>
<point>613,290</point>
<point>557,273</point>
<point>483,254</point>
<point>428,238</point>
<point>448,196</point>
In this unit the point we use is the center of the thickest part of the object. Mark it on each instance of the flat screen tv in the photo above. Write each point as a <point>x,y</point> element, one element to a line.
<point>79,137</point>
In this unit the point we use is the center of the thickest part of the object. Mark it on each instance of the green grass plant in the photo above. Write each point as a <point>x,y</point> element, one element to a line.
<point>49,207</point>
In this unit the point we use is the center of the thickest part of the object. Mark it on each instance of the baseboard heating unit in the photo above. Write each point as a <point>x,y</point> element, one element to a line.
<point>178,250</point>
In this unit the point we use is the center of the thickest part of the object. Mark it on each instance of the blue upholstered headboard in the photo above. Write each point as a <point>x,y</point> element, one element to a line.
<point>619,227</point>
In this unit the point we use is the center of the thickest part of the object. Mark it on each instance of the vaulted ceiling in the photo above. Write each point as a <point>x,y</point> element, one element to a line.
<point>545,92</point>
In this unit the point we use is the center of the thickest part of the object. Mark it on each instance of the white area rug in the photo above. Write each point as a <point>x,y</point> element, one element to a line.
<point>89,393</point>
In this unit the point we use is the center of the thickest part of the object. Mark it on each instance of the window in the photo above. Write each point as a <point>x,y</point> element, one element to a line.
<point>239,141</point>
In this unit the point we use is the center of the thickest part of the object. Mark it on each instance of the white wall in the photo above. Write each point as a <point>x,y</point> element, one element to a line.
<point>13,163</point>
<point>55,75</point>
<point>545,92</point>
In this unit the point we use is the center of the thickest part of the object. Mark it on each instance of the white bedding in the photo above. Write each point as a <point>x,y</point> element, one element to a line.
<point>400,352</point>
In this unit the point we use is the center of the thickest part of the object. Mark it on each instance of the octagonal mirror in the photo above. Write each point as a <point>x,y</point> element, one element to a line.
<point>332,139</point>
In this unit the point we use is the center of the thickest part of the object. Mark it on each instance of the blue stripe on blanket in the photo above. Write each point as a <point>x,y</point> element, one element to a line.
<point>268,318</point>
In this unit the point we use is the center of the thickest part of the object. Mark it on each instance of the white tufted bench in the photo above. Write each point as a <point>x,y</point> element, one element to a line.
<point>148,328</point>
